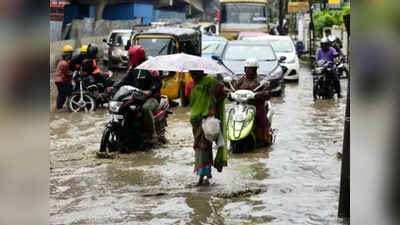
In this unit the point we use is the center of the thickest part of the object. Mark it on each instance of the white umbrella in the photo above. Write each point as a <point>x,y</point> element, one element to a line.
<point>183,63</point>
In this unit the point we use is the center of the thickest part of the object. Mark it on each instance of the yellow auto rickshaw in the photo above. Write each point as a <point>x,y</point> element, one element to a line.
<point>166,41</point>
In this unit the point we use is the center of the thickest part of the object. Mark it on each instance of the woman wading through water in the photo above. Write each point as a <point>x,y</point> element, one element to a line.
<point>206,99</point>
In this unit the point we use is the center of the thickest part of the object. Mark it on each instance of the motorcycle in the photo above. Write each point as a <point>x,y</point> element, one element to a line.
<point>88,93</point>
<point>323,87</point>
<point>341,66</point>
<point>125,129</point>
<point>241,118</point>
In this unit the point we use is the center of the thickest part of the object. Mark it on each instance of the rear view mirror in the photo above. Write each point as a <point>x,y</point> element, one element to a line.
<point>228,79</point>
<point>105,40</point>
<point>282,59</point>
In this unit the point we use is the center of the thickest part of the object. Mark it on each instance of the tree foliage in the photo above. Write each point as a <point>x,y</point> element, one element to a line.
<point>328,18</point>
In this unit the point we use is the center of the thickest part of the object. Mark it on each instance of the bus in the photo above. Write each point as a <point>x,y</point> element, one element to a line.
<point>242,15</point>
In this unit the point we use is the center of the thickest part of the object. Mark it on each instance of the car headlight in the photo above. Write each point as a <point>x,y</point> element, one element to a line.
<point>116,53</point>
<point>293,60</point>
<point>275,74</point>
<point>114,106</point>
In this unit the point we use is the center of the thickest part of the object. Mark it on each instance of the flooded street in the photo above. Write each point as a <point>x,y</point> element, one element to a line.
<point>296,181</point>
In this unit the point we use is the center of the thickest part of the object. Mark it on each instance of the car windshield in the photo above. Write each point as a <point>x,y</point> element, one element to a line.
<point>243,52</point>
<point>243,13</point>
<point>212,47</point>
<point>157,46</point>
<point>282,45</point>
<point>119,39</point>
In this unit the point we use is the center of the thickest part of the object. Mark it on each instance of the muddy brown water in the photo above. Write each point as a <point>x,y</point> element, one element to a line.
<point>296,181</point>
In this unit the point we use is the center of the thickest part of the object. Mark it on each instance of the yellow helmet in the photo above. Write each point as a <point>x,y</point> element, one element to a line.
<point>84,48</point>
<point>68,48</point>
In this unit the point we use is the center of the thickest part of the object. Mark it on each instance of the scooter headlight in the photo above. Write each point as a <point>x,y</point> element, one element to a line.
<point>239,97</point>
<point>318,70</point>
<point>114,106</point>
<point>234,96</point>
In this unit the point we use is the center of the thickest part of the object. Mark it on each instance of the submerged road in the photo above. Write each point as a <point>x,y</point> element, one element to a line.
<point>296,181</point>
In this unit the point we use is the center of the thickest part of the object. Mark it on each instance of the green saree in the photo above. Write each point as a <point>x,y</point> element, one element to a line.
<point>203,103</point>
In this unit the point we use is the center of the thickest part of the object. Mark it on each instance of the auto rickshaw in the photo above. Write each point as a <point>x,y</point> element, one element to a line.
<point>166,41</point>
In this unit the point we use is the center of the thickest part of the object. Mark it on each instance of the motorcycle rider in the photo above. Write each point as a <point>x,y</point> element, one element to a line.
<point>89,65</point>
<point>329,54</point>
<point>148,82</point>
<point>334,41</point>
<point>250,81</point>
<point>77,57</point>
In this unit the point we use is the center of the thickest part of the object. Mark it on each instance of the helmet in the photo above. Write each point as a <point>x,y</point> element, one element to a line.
<point>84,48</point>
<point>136,54</point>
<point>324,41</point>
<point>331,38</point>
<point>68,48</point>
<point>251,62</point>
<point>92,51</point>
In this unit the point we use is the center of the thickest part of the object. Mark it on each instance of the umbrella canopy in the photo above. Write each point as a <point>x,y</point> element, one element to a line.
<point>183,63</point>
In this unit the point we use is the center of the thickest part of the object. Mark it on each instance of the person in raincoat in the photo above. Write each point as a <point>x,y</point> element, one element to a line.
<point>206,99</point>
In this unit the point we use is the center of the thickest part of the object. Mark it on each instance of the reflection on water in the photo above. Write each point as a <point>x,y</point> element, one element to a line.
<point>296,181</point>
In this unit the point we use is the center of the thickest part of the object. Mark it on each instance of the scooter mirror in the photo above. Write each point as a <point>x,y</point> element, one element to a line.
<point>228,79</point>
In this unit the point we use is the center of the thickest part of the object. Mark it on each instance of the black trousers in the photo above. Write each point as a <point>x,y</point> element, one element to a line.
<point>64,91</point>
<point>334,77</point>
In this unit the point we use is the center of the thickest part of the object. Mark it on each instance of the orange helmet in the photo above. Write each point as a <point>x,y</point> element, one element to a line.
<point>136,54</point>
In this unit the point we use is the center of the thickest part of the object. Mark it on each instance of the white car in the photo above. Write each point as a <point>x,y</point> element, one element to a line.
<point>116,40</point>
<point>284,46</point>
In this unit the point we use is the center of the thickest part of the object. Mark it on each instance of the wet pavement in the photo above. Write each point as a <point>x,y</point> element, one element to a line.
<point>296,181</point>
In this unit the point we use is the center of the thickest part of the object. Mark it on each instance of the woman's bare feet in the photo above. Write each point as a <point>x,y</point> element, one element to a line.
<point>200,182</point>
<point>206,182</point>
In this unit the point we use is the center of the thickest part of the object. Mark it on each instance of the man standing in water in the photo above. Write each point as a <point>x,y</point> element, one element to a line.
<point>206,99</point>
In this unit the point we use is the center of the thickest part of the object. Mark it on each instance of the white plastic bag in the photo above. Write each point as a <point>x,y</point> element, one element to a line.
<point>220,142</point>
<point>211,128</point>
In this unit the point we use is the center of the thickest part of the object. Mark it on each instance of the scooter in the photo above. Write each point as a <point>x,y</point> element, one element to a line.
<point>125,129</point>
<point>241,118</point>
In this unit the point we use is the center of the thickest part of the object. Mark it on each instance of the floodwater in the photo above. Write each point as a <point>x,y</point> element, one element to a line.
<point>296,181</point>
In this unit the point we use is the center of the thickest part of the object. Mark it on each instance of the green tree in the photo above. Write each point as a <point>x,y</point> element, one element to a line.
<point>328,18</point>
